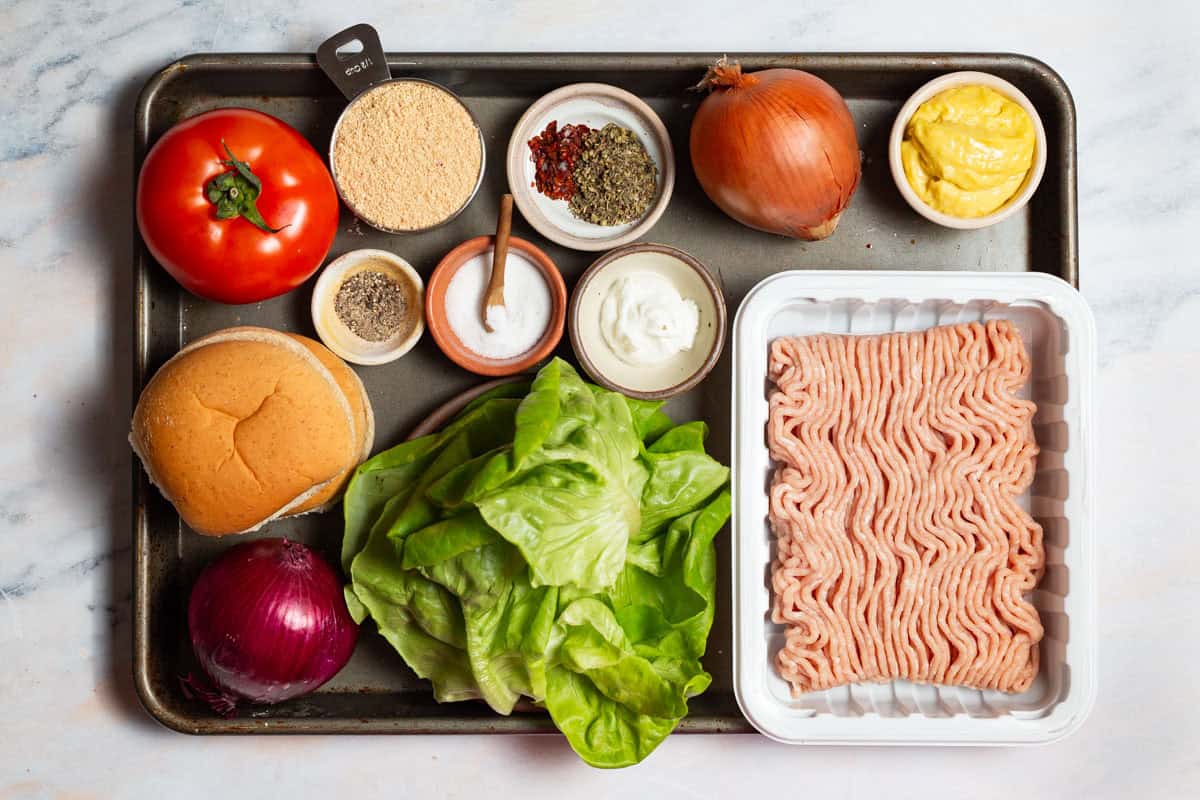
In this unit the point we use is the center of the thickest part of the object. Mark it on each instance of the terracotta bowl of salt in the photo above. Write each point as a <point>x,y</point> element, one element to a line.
<point>454,307</point>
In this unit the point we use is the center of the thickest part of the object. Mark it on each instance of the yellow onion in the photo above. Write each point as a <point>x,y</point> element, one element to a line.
<point>775,149</point>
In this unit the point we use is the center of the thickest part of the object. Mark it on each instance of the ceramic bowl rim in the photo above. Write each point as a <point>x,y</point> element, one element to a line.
<point>522,193</point>
<point>948,81</point>
<point>710,360</point>
<point>324,292</point>
<point>449,343</point>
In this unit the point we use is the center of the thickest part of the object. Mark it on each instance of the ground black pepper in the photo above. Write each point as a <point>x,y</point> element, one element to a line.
<point>615,177</point>
<point>371,305</point>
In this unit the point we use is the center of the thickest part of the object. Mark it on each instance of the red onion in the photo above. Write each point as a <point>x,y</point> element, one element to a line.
<point>268,622</point>
<point>775,149</point>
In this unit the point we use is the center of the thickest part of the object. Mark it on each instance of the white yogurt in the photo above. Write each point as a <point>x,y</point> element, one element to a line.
<point>646,321</point>
<point>527,306</point>
<point>672,281</point>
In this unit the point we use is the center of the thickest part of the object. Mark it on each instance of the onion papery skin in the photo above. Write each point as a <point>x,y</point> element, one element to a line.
<point>776,150</point>
<point>268,621</point>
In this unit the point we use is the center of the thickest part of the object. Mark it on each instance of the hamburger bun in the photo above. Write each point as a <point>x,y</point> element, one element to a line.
<point>356,396</point>
<point>364,423</point>
<point>242,426</point>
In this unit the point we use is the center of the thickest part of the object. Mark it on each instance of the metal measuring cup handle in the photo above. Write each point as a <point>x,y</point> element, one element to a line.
<point>354,73</point>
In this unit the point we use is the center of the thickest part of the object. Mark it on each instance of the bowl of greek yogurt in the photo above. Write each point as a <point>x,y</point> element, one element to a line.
<point>535,301</point>
<point>647,320</point>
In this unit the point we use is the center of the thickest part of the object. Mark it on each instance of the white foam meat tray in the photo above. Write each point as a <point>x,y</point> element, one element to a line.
<point>1059,333</point>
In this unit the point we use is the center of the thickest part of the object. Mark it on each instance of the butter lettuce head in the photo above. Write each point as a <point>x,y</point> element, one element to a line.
<point>554,541</point>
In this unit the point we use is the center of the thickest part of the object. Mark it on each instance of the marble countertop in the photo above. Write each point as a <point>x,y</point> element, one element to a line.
<point>69,75</point>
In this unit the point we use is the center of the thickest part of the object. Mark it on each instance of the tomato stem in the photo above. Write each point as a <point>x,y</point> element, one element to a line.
<point>235,193</point>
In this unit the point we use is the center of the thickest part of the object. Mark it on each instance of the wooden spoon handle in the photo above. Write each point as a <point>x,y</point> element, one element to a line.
<point>494,296</point>
<point>500,257</point>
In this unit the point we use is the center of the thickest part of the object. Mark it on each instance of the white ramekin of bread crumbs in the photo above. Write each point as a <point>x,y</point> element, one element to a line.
<point>406,156</point>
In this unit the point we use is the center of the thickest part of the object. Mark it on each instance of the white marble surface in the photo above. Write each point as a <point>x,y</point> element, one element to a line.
<point>69,73</point>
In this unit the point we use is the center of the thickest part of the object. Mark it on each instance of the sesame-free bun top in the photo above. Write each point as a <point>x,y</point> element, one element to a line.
<point>364,423</point>
<point>356,395</point>
<point>242,426</point>
<point>360,408</point>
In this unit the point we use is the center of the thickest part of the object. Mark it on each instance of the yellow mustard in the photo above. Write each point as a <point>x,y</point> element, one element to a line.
<point>967,150</point>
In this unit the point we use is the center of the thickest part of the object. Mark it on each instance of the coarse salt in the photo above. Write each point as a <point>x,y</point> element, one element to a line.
<point>518,326</point>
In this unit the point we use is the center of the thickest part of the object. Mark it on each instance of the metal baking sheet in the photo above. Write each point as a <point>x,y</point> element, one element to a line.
<point>376,693</point>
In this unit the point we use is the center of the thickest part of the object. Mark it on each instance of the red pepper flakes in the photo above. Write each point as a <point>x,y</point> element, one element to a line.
<point>554,153</point>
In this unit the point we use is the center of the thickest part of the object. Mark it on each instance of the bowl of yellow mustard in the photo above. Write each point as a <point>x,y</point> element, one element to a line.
<point>967,150</point>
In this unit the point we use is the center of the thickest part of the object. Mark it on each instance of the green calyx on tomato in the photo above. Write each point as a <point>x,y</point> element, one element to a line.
<point>234,193</point>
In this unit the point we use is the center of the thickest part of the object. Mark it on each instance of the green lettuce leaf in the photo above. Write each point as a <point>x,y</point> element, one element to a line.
<point>603,733</point>
<point>390,475</point>
<point>648,419</point>
<point>595,645</point>
<point>553,541</point>
<point>571,501</point>
<point>682,476</point>
<point>673,593</point>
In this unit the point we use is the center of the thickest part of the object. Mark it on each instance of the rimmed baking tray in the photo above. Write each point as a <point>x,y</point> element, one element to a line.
<point>376,693</point>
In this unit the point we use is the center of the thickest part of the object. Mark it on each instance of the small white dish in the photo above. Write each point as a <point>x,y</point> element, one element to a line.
<point>682,371</point>
<point>949,81</point>
<point>340,339</point>
<point>594,105</point>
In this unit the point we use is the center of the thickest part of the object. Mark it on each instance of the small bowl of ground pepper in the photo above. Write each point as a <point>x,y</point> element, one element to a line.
<point>591,166</point>
<point>368,307</point>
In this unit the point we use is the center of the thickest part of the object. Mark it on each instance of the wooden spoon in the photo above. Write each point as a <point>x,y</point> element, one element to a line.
<point>494,296</point>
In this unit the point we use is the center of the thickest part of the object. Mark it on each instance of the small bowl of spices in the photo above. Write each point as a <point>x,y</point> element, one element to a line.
<point>591,166</point>
<point>535,300</point>
<point>368,307</point>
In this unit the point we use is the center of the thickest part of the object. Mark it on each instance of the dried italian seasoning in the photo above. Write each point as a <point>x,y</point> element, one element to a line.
<point>371,305</point>
<point>615,177</point>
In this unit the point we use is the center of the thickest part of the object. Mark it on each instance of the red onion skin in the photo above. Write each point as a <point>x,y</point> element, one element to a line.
<point>776,150</point>
<point>268,621</point>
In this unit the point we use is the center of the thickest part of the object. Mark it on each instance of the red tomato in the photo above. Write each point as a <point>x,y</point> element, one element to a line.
<point>218,234</point>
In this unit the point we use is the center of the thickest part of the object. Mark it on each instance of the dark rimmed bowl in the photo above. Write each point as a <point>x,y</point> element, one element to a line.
<point>590,367</point>
<point>448,410</point>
